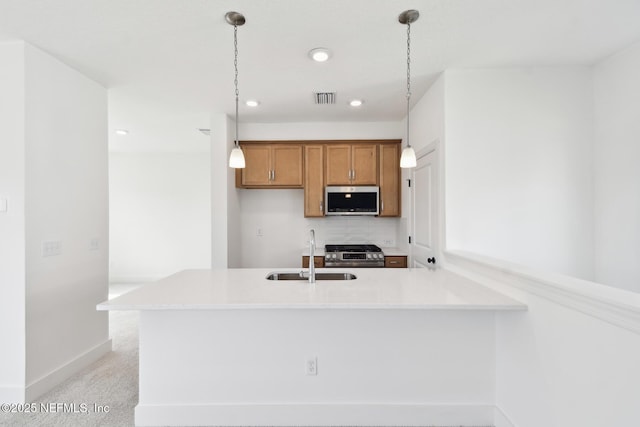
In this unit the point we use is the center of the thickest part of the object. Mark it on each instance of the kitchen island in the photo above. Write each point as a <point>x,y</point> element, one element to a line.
<point>392,347</point>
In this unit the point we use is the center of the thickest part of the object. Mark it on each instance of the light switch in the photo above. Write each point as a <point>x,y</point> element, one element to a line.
<point>94,244</point>
<point>3,205</point>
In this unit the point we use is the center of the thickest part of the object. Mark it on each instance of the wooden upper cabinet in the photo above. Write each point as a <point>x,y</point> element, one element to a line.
<point>286,164</point>
<point>313,180</point>
<point>390,200</point>
<point>271,165</point>
<point>257,169</point>
<point>313,165</point>
<point>364,159</point>
<point>338,170</point>
<point>352,164</point>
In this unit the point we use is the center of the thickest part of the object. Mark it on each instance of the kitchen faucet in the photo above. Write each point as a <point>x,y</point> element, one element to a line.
<point>312,253</point>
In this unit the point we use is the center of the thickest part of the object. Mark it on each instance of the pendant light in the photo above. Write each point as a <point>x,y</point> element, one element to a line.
<point>236,159</point>
<point>408,157</point>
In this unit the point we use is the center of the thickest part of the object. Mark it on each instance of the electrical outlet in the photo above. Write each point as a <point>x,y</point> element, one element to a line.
<point>311,366</point>
<point>387,242</point>
<point>51,248</point>
<point>259,232</point>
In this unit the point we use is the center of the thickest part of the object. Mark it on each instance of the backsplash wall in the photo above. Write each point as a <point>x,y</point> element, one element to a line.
<point>275,231</point>
<point>354,229</point>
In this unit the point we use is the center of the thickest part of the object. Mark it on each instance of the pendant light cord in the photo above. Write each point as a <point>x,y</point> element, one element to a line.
<point>235,81</point>
<point>408,77</point>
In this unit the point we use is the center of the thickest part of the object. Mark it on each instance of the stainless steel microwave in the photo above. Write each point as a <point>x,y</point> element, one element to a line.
<point>357,200</point>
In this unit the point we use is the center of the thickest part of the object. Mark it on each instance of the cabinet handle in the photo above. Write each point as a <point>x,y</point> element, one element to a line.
<point>394,262</point>
<point>273,175</point>
<point>353,174</point>
<point>321,206</point>
<point>382,207</point>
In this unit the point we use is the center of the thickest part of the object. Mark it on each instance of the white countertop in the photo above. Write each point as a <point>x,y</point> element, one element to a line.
<point>374,288</point>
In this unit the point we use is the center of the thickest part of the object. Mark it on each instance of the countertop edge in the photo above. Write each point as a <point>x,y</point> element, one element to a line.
<point>333,306</point>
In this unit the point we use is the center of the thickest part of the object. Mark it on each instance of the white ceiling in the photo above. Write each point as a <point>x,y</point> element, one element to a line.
<point>172,60</point>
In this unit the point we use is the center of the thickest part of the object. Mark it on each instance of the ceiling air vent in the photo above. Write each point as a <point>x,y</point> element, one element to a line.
<point>324,97</point>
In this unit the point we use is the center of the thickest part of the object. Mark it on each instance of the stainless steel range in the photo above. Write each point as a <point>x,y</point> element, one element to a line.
<point>353,256</point>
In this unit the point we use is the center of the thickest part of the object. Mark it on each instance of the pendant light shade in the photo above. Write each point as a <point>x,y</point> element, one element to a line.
<point>408,158</point>
<point>236,158</point>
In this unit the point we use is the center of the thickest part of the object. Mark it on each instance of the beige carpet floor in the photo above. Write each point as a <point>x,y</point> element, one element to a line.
<point>110,382</point>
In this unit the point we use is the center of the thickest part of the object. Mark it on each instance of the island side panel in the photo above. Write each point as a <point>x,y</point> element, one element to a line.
<point>415,367</point>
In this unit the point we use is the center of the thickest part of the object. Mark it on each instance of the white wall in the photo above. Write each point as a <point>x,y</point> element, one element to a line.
<point>12,223</point>
<point>56,183</point>
<point>427,117</point>
<point>67,201</point>
<point>575,370</point>
<point>234,239</point>
<point>426,130</point>
<point>279,214</point>
<point>320,130</point>
<point>518,166</point>
<point>275,231</point>
<point>160,214</point>
<point>617,175</point>
<point>225,207</point>
<point>572,358</point>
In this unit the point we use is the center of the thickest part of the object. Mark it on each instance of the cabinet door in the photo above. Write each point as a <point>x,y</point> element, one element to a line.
<point>286,165</point>
<point>318,261</point>
<point>257,170</point>
<point>390,180</point>
<point>364,164</point>
<point>313,181</point>
<point>338,171</point>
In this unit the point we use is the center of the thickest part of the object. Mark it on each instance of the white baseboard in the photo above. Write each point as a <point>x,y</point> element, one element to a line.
<point>501,419</point>
<point>324,414</point>
<point>44,384</point>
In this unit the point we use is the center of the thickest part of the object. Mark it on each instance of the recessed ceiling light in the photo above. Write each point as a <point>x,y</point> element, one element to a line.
<point>355,102</point>
<point>122,132</point>
<point>320,54</point>
<point>252,103</point>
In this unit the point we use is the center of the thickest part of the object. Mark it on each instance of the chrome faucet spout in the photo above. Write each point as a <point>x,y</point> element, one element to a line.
<point>312,253</point>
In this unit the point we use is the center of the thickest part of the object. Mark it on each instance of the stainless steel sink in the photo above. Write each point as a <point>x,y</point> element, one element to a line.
<point>305,276</point>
